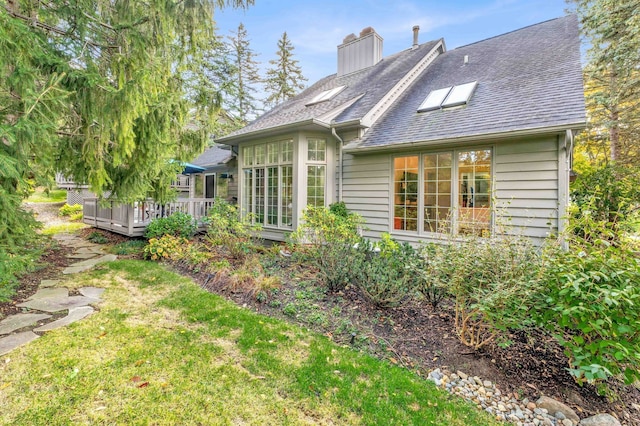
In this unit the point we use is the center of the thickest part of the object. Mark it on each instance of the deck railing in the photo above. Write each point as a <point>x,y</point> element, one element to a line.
<point>132,219</point>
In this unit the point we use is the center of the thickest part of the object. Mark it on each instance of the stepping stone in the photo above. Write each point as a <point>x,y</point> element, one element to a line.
<point>9,343</point>
<point>48,283</point>
<point>56,305</point>
<point>50,293</point>
<point>82,255</point>
<point>92,292</point>
<point>81,244</point>
<point>18,321</point>
<point>88,264</point>
<point>64,237</point>
<point>90,250</point>
<point>75,314</point>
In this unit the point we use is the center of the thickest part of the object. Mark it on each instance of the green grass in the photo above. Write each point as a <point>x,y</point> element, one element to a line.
<point>62,227</point>
<point>54,196</point>
<point>128,247</point>
<point>163,351</point>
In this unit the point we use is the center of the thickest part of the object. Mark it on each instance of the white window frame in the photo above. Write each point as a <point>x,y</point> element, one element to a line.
<point>454,191</point>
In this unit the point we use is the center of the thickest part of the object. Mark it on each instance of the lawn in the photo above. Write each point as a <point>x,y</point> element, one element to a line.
<point>163,351</point>
<point>54,196</point>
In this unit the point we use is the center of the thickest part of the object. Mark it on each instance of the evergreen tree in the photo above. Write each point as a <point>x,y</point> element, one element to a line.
<point>244,105</point>
<point>285,78</point>
<point>612,76</point>
<point>95,89</point>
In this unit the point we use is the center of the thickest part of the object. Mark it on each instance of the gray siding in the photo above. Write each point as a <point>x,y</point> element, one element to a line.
<point>526,187</point>
<point>365,190</point>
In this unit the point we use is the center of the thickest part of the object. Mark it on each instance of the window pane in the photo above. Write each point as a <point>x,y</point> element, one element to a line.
<point>287,151</point>
<point>272,196</point>
<point>260,195</point>
<point>222,188</point>
<point>247,155</point>
<point>286,196</point>
<point>247,192</point>
<point>405,187</point>
<point>316,150</point>
<point>315,185</point>
<point>272,153</point>
<point>259,155</point>
<point>199,186</point>
<point>474,192</point>
<point>437,192</point>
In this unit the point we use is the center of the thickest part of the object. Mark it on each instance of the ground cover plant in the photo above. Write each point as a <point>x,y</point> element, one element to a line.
<point>163,351</point>
<point>44,195</point>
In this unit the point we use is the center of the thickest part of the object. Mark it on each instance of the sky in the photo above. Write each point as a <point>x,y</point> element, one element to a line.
<point>316,28</point>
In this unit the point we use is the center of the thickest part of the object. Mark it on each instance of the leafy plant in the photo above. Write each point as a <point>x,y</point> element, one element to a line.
<point>129,247</point>
<point>178,225</point>
<point>97,237</point>
<point>591,303</point>
<point>433,279</point>
<point>325,240</point>
<point>229,230</point>
<point>388,273</point>
<point>166,247</point>
<point>68,210</point>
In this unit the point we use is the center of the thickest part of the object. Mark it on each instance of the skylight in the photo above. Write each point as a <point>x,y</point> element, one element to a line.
<point>460,95</point>
<point>326,95</point>
<point>434,100</point>
<point>448,97</point>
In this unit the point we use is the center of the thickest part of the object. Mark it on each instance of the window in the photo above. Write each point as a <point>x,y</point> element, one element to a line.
<point>326,95</point>
<point>316,171</point>
<point>267,189</point>
<point>406,193</point>
<point>443,192</point>
<point>222,187</point>
<point>448,97</point>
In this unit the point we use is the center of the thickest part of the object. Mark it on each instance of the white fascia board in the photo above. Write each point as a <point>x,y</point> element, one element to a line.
<point>387,100</point>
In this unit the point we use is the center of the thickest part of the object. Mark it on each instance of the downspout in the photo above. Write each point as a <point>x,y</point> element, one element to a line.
<point>335,135</point>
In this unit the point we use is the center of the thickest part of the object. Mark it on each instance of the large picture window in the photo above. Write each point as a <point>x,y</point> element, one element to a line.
<point>316,171</point>
<point>267,190</point>
<point>443,192</point>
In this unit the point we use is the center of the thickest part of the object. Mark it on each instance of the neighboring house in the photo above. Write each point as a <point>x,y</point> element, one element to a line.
<point>425,142</point>
<point>210,175</point>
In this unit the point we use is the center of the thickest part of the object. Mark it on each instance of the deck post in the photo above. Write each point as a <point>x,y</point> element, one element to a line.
<point>130,218</point>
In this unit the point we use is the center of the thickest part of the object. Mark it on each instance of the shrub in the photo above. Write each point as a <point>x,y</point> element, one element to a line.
<point>433,278</point>
<point>97,237</point>
<point>228,229</point>
<point>491,281</point>
<point>178,225</point>
<point>591,303</point>
<point>76,217</point>
<point>129,247</point>
<point>326,240</point>
<point>166,247</point>
<point>388,273</point>
<point>70,210</point>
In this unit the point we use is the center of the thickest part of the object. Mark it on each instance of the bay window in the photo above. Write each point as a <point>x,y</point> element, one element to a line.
<point>267,190</point>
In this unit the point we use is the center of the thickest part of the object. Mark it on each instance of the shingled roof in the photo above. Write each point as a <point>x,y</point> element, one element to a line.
<point>528,80</point>
<point>364,89</point>
<point>213,156</point>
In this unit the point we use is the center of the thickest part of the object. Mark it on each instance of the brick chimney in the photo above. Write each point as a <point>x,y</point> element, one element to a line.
<point>357,53</point>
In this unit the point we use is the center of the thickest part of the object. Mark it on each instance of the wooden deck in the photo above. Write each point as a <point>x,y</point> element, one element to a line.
<point>132,219</point>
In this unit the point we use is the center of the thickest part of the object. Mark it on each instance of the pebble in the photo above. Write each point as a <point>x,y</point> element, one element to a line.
<point>503,407</point>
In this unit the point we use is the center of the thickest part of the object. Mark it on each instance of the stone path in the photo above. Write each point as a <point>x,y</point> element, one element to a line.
<point>20,329</point>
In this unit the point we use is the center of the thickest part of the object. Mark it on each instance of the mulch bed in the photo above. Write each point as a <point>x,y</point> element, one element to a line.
<point>415,336</point>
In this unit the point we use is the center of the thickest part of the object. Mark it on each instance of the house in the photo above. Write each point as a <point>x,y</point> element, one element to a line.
<point>210,175</point>
<point>427,141</point>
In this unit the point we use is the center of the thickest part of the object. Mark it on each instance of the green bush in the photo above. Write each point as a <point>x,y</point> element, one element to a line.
<point>591,303</point>
<point>70,210</point>
<point>491,280</point>
<point>227,229</point>
<point>433,279</point>
<point>388,273</point>
<point>166,247</point>
<point>178,225</point>
<point>325,240</point>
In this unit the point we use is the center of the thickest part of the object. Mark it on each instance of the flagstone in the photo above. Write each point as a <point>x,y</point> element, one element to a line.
<point>48,283</point>
<point>18,321</point>
<point>56,305</point>
<point>82,255</point>
<point>75,314</point>
<point>13,341</point>
<point>49,293</point>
